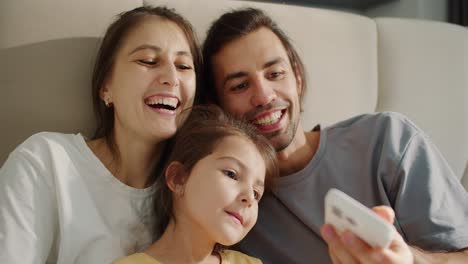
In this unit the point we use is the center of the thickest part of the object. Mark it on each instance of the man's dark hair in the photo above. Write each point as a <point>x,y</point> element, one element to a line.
<point>234,25</point>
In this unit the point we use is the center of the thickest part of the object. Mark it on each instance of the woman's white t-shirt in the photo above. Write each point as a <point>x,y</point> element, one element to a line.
<point>59,204</point>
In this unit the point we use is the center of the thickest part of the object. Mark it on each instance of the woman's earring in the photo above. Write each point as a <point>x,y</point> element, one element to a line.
<point>107,103</point>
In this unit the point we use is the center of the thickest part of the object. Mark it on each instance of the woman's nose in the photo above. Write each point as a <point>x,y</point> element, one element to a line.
<point>168,75</point>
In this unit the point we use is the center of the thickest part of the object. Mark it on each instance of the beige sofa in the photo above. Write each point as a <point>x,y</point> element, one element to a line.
<point>355,65</point>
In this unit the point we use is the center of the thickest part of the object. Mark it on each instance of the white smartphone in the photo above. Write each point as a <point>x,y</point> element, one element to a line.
<point>345,213</point>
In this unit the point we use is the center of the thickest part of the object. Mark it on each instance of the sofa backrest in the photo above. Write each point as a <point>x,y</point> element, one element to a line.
<point>354,65</point>
<point>52,90</point>
<point>47,51</point>
<point>423,68</point>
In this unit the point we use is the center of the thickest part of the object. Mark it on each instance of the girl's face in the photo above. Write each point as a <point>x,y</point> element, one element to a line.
<point>153,80</point>
<point>221,194</point>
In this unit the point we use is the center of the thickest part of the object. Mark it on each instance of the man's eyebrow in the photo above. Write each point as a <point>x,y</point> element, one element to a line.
<point>233,76</point>
<point>272,62</point>
<point>158,49</point>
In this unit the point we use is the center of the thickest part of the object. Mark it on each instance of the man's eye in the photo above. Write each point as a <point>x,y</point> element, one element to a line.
<point>231,174</point>
<point>275,75</point>
<point>239,87</point>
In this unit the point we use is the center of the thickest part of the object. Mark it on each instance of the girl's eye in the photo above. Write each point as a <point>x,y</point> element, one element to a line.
<point>257,195</point>
<point>231,174</point>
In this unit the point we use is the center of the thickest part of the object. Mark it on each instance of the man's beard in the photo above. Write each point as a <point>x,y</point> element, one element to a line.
<point>287,136</point>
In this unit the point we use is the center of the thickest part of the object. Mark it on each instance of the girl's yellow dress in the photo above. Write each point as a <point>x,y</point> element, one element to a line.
<point>227,257</point>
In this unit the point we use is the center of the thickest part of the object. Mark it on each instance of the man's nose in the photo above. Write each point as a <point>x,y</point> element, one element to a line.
<point>263,93</point>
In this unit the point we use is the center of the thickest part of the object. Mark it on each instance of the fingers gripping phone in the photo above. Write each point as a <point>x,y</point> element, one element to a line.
<point>345,213</point>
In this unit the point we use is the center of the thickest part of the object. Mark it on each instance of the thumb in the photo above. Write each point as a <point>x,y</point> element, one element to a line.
<point>385,212</point>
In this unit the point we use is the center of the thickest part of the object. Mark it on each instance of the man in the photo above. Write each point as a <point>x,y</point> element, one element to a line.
<point>253,72</point>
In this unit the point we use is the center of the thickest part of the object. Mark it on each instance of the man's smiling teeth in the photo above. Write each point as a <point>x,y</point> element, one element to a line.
<point>269,119</point>
<point>167,101</point>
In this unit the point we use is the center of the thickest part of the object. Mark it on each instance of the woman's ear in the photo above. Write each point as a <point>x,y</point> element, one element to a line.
<point>106,94</point>
<point>175,177</point>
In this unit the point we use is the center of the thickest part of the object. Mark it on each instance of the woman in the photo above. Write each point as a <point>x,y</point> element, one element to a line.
<point>64,199</point>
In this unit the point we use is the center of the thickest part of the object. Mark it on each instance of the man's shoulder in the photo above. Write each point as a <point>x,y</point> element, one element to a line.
<point>381,123</point>
<point>373,120</point>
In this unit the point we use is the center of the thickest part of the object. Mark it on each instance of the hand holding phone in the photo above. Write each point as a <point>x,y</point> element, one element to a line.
<point>345,213</point>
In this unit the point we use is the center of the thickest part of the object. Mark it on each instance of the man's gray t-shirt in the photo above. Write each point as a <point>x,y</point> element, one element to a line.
<point>379,159</point>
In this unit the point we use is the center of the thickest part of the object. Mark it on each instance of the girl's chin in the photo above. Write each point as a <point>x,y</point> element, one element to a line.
<point>231,239</point>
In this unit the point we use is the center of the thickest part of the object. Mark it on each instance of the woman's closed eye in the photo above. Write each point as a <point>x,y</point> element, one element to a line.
<point>155,62</point>
<point>184,67</point>
<point>148,62</point>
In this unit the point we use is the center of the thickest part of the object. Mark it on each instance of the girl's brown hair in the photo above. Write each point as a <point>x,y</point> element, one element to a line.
<point>197,138</point>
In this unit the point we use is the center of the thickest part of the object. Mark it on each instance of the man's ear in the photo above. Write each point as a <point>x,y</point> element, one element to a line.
<point>175,176</point>
<point>298,79</point>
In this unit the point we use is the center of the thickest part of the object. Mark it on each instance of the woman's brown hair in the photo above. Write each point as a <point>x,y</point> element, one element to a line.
<point>115,35</point>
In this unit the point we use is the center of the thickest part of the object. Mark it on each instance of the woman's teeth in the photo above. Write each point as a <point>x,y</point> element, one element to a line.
<point>163,102</point>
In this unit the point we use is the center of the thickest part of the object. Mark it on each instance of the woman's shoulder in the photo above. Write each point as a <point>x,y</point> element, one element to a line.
<point>236,257</point>
<point>138,258</point>
<point>45,141</point>
<point>50,137</point>
<point>40,151</point>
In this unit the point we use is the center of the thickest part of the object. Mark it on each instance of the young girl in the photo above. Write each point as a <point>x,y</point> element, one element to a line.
<point>209,193</point>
